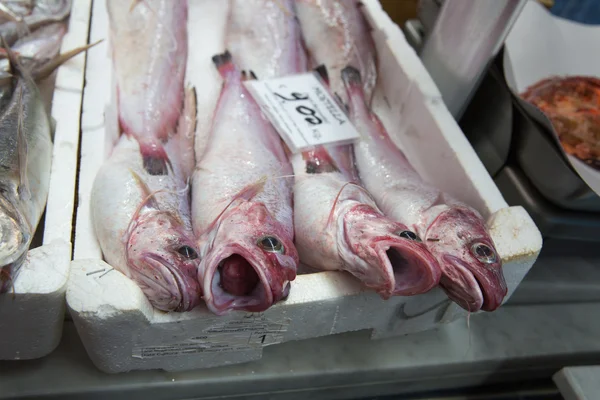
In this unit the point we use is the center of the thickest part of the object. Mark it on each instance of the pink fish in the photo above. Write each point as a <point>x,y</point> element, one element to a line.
<point>453,231</point>
<point>242,204</point>
<point>337,34</point>
<point>149,51</point>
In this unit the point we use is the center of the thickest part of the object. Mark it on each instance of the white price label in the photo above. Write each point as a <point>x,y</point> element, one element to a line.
<point>302,111</point>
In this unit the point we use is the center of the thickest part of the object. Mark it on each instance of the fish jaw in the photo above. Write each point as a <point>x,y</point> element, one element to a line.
<point>474,281</point>
<point>236,273</point>
<point>162,260</point>
<point>396,265</point>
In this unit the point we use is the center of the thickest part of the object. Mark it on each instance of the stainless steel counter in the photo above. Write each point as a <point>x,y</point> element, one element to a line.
<point>513,343</point>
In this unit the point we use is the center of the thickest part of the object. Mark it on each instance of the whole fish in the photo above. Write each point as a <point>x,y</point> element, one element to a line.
<point>42,13</point>
<point>264,36</point>
<point>453,231</point>
<point>149,51</point>
<point>242,204</point>
<point>336,34</point>
<point>142,221</point>
<point>339,227</point>
<point>25,161</point>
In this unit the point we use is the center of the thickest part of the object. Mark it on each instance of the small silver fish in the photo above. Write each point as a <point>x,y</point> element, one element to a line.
<point>25,161</point>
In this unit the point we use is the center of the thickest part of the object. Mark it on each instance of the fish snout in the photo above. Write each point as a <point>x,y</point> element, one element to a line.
<point>165,284</point>
<point>473,287</point>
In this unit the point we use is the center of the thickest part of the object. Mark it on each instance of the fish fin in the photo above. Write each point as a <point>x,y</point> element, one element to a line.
<point>9,14</point>
<point>224,63</point>
<point>54,63</point>
<point>351,77</point>
<point>148,200</point>
<point>22,149</point>
<point>247,193</point>
<point>13,62</point>
<point>337,197</point>
<point>155,158</point>
<point>147,193</point>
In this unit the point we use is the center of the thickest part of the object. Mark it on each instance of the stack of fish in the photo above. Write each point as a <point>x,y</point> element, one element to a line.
<point>32,33</point>
<point>223,213</point>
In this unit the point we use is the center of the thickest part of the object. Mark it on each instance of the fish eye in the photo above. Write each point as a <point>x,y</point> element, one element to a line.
<point>409,235</point>
<point>270,244</point>
<point>188,252</point>
<point>484,253</point>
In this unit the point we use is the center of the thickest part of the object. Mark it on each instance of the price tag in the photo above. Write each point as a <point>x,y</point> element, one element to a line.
<point>302,111</point>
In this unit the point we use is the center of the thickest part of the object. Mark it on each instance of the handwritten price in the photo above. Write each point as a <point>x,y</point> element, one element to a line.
<point>309,112</point>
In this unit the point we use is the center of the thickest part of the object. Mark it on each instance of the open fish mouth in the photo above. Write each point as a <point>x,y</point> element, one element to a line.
<point>414,269</point>
<point>166,287</point>
<point>234,280</point>
<point>464,288</point>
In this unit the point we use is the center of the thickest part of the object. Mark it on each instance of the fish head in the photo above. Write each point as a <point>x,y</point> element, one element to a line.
<point>251,261</point>
<point>15,238</point>
<point>163,260</point>
<point>471,267</point>
<point>386,255</point>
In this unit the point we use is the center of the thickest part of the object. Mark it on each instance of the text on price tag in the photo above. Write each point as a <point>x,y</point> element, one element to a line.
<point>302,111</point>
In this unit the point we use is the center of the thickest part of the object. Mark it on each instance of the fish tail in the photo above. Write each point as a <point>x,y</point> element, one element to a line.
<point>351,77</point>
<point>155,158</point>
<point>224,63</point>
<point>322,71</point>
<point>59,60</point>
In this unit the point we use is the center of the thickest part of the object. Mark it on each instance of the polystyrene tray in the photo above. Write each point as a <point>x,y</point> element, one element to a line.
<point>121,331</point>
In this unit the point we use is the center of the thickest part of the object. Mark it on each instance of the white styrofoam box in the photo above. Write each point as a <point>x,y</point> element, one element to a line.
<point>120,329</point>
<point>31,317</point>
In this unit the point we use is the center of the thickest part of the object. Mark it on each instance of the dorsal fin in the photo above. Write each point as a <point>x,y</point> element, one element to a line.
<point>54,63</point>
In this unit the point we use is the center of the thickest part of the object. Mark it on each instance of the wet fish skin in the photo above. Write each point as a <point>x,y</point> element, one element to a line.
<point>336,34</point>
<point>43,12</point>
<point>269,28</point>
<point>339,227</point>
<point>143,223</point>
<point>25,163</point>
<point>149,50</point>
<point>242,204</point>
<point>453,231</point>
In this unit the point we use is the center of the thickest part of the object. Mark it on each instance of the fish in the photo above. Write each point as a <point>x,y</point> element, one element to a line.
<point>35,50</point>
<point>242,203</point>
<point>271,30</point>
<point>149,45</point>
<point>143,223</point>
<point>454,232</point>
<point>25,163</point>
<point>25,19</point>
<point>337,34</point>
<point>339,226</point>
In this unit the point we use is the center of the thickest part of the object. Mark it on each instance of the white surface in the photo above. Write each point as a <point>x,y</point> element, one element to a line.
<point>541,45</point>
<point>494,348</point>
<point>116,322</point>
<point>31,318</point>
